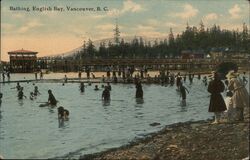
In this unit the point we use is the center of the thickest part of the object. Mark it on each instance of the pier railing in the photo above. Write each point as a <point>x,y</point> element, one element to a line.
<point>155,63</point>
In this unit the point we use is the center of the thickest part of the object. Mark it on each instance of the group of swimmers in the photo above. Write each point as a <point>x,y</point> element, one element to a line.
<point>62,113</point>
<point>7,73</point>
<point>105,93</point>
<point>166,78</point>
<point>21,95</point>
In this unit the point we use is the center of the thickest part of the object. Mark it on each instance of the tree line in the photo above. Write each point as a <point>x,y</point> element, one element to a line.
<point>193,38</point>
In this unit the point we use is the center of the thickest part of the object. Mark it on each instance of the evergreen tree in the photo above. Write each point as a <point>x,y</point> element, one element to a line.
<point>116,34</point>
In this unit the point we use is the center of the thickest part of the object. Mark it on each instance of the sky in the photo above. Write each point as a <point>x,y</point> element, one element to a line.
<point>39,25</point>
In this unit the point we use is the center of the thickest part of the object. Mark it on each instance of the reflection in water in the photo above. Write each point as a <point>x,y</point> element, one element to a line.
<point>183,108</point>
<point>183,103</point>
<point>106,103</point>
<point>138,107</point>
<point>0,114</point>
<point>139,100</point>
<point>139,115</point>
<point>60,123</point>
<point>20,102</point>
<point>51,110</point>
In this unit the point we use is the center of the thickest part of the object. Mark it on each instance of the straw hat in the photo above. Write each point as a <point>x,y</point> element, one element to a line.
<point>231,74</point>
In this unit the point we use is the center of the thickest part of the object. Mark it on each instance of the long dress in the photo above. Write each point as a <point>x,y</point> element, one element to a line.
<point>240,98</point>
<point>217,103</point>
<point>139,91</point>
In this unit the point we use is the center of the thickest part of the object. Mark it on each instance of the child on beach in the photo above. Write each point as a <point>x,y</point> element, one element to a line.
<point>230,113</point>
<point>217,103</point>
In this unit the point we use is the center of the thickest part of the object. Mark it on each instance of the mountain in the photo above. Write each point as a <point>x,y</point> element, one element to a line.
<point>97,44</point>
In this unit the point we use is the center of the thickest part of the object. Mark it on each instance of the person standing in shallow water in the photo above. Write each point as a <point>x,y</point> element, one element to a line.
<point>139,91</point>
<point>183,93</point>
<point>106,94</point>
<point>109,86</point>
<point>1,96</point>
<point>82,87</point>
<point>18,87</point>
<point>20,93</point>
<point>217,103</point>
<point>36,92</point>
<point>51,100</point>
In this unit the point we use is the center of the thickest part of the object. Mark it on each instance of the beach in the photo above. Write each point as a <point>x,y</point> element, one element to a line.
<point>188,140</point>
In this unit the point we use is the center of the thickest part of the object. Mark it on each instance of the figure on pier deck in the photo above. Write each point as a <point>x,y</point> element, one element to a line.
<point>115,79</point>
<point>41,75</point>
<point>88,72</point>
<point>93,76</point>
<point>65,78</point>
<point>199,76</point>
<point>35,75</point>
<point>8,75</point>
<point>108,72</point>
<point>3,75</point>
<point>79,74</point>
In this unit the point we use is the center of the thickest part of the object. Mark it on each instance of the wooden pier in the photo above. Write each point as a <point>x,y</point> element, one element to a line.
<point>68,65</point>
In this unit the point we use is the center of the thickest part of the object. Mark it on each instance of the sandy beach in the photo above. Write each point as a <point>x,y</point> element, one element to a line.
<point>189,140</point>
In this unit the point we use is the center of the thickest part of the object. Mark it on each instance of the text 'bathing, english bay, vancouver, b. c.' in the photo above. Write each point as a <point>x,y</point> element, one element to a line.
<point>57,8</point>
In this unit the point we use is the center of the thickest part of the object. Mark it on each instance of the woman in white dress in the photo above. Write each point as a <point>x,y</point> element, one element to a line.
<point>240,98</point>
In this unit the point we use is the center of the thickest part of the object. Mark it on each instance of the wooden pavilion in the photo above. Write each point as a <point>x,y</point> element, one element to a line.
<point>22,61</point>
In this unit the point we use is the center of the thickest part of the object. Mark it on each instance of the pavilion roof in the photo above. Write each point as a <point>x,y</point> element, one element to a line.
<point>22,51</point>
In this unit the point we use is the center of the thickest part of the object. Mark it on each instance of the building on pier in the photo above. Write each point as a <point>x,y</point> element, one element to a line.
<point>22,61</point>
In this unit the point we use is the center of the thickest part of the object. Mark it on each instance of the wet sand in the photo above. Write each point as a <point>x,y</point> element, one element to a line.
<point>187,141</point>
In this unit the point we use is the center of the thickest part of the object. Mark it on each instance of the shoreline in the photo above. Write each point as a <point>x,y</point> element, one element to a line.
<point>185,140</point>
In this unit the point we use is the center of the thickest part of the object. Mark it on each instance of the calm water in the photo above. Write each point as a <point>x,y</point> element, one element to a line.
<point>28,131</point>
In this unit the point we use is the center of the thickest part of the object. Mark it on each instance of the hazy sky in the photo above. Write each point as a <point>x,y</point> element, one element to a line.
<point>53,31</point>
